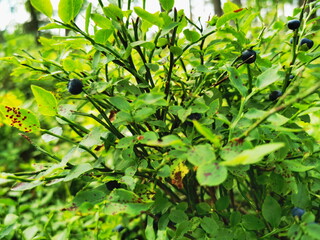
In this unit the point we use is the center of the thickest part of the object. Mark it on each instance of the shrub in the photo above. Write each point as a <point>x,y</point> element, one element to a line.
<point>124,147</point>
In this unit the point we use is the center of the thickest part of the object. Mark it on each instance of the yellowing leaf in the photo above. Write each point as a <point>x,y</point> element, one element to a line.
<point>254,155</point>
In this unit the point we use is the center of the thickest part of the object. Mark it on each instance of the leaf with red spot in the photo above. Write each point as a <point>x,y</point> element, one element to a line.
<point>211,174</point>
<point>21,118</point>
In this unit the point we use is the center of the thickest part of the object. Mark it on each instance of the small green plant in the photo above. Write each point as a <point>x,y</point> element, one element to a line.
<point>173,135</point>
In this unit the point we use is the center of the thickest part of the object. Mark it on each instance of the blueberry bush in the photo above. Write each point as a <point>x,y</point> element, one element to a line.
<point>155,126</point>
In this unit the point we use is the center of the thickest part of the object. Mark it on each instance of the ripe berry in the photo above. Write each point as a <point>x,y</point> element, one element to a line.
<point>293,24</point>
<point>112,185</point>
<point>75,86</point>
<point>249,56</point>
<point>297,212</point>
<point>306,41</point>
<point>275,95</point>
<point>118,228</point>
<point>194,116</point>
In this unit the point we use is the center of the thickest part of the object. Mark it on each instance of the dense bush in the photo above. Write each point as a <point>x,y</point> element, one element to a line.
<point>171,130</point>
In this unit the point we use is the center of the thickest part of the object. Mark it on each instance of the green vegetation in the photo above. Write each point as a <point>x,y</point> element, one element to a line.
<point>144,125</point>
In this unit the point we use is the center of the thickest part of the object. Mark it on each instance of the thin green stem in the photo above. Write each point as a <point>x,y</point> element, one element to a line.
<point>82,129</point>
<point>249,79</point>
<point>72,142</point>
<point>277,108</point>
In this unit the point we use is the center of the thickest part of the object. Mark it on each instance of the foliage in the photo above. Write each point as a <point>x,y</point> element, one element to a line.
<point>174,135</point>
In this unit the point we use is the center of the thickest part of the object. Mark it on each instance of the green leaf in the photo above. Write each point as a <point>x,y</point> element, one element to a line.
<point>147,99</point>
<point>236,81</point>
<point>201,154</point>
<point>211,174</point>
<point>209,225</point>
<point>178,216</point>
<point>166,141</point>
<point>69,9</point>
<point>46,101</point>
<point>251,222</point>
<point>120,103</point>
<point>87,21</point>
<point>126,142</point>
<point>191,36</point>
<point>254,155</point>
<point>6,230</point>
<point>145,44</point>
<point>271,211</point>
<point>114,12</point>
<point>43,6</point>
<point>77,171</point>
<point>150,233</point>
<point>313,230</point>
<point>102,35</point>
<point>269,76</point>
<point>30,232</point>
<point>50,26</point>
<point>151,18</point>
<point>301,199</point>
<point>208,134</point>
<point>92,196</point>
<point>48,138</point>
<point>124,201</point>
<point>143,114</point>
<point>230,16</point>
<point>102,21</point>
<point>296,166</point>
<point>94,137</point>
<point>20,118</point>
<point>177,51</point>
<point>167,4</point>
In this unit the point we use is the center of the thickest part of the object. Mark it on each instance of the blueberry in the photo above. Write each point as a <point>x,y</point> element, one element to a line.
<point>194,116</point>
<point>291,77</point>
<point>275,95</point>
<point>75,86</point>
<point>118,228</point>
<point>306,41</point>
<point>112,185</point>
<point>293,24</point>
<point>249,56</point>
<point>297,212</point>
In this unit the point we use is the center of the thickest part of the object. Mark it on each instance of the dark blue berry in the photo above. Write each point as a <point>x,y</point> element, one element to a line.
<point>293,24</point>
<point>297,212</point>
<point>194,116</point>
<point>113,184</point>
<point>118,228</point>
<point>249,56</point>
<point>306,41</point>
<point>275,95</point>
<point>75,86</point>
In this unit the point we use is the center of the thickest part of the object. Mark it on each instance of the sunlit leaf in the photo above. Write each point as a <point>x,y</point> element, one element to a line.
<point>43,6</point>
<point>254,155</point>
<point>69,9</point>
<point>46,101</point>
